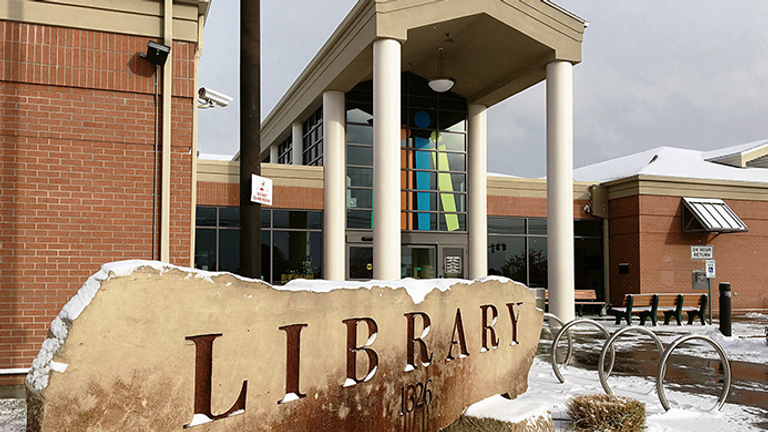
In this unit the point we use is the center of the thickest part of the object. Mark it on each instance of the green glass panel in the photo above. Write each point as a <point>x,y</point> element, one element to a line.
<point>360,219</point>
<point>507,257</point>
<point>453,222</point>
<point>205,216</point>
<point>357,155</point>
<point>360,177</point>
<point>358,134</point>
<point>453,141</point>
<point>229,250</point>
<point>456,202</point>
<point>452,121</point>
<point>360,198</point>
<point>537,261</point>
<point>506,225</point>
<point>205,249</point>
<point>537,226</point>
<point>229,217</point>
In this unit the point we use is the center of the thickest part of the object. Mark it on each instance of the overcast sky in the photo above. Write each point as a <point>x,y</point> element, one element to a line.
<point>685,73</point>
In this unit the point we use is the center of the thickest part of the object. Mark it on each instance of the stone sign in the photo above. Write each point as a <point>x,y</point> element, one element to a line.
<point>146,346</point>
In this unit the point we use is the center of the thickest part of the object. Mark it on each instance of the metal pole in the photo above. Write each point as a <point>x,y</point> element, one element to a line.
<point>709,294</point>
<point>725,308</point>
<point>250,136</point>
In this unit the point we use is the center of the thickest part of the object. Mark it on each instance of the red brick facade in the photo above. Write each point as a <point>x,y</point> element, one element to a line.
<point>76,164</point>
<point>529,207</point>
<point>646,232</point>
<point>283,197</point>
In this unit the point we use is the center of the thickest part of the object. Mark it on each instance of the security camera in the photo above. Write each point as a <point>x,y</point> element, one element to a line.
<point>210,98</point>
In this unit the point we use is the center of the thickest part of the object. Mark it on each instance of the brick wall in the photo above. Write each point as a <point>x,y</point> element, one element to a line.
<point>624,247</point>
<point>76,162</point>
<point>665,261</point>
<point>529,207</point>
<point>283,197</point>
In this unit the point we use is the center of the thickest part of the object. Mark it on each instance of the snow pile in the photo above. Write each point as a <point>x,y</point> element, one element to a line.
<point>747,343</point>
<point>42,364</point>
<point>506,410</point>
<point>752,349</point>
<point>757,315</point>
<point>689,411</point>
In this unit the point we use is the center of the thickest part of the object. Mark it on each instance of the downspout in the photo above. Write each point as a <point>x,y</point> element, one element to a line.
<point>165,184</point>
<point>198,53</point>
<point>606,260</point>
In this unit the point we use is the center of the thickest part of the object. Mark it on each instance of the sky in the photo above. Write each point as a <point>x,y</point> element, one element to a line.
<point>686,73</point>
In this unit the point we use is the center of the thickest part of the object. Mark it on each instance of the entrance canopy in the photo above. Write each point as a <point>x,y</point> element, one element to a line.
<point>492,48</point>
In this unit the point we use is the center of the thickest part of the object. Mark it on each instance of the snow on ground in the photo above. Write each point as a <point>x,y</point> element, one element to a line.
<point>13,415</point>
<point>746,344</point>
<point>689,411</point>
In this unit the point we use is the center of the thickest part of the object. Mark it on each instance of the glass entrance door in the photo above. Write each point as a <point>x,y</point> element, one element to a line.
<point>418,262</point>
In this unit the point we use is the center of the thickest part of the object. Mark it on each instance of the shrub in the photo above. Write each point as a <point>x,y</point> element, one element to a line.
<point>602,413</point>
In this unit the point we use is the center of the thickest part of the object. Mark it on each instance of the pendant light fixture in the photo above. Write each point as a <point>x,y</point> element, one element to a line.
<point>441,83</point>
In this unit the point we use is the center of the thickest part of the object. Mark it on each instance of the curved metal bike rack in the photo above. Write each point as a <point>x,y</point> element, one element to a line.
<point>609,343</point>
<point>565,329</point>
<point>662,371</point>
<point>569,353</point>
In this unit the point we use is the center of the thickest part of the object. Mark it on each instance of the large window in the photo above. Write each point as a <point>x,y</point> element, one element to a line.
<point>291,242</point>
<point>433,158</point>
<point>313,139</point>
<point>217,239</point>
<point>285,151</point>
<point>517,249</point>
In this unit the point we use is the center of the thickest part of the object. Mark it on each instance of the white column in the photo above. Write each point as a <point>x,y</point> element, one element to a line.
<point>297,130</point>
<point>273,153</point>
<point>386,159</point>
<point>560,189</point>
<point>477,192</point>
<point>334,185</point>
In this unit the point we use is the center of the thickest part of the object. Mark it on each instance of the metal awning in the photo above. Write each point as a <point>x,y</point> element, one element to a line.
<point>710,215</point>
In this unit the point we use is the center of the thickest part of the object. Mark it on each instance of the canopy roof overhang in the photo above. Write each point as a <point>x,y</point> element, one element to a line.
<point>493,49</point>
<point>710,215</point>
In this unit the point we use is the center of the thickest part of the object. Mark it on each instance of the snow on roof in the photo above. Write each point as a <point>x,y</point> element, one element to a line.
<point>217,157</point>
<point>734,150</point>
<point>669,162</point>
<point>495,174</point>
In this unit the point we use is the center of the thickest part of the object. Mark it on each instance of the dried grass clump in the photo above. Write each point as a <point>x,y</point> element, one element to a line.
<point>603,413</point>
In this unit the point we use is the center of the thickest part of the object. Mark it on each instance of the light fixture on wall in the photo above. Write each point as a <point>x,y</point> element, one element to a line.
<point>441,83</point>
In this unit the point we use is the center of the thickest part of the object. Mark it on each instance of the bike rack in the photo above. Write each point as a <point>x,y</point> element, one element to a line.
<point>611,340</point>
<point>569,353</point>
<point>565,329</point>
<point>665,355</point>
<point>662,371</point>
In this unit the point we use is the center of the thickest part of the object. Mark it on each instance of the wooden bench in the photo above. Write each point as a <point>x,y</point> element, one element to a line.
<point>698,310</point>
<point>583,297</point>
<point>647,306</point>
<point>673,306</point>
<point>644,305</point>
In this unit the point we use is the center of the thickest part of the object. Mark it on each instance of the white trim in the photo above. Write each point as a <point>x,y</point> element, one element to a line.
<point>14,371</point>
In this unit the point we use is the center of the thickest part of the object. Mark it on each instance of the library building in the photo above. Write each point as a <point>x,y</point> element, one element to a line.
<point>377,154</point>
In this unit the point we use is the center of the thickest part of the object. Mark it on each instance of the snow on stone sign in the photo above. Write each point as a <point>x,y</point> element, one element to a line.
<point>261,190</point>
<point>149,346</point>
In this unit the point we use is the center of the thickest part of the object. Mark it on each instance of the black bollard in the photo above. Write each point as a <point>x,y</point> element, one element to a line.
<point>725,308</point>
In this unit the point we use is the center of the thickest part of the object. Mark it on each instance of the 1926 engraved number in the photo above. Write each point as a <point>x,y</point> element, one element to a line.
<point>414,396</point>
